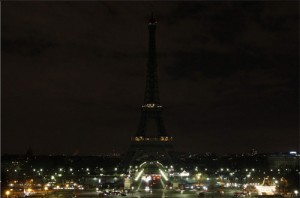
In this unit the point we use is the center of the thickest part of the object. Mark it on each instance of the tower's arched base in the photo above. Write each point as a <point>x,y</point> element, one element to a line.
<point>150,150</point>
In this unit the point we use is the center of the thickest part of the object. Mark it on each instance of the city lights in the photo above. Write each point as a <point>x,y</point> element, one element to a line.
<point>218,176</point>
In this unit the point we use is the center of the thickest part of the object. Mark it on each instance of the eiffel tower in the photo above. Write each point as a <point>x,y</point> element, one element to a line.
<point>156,147</point>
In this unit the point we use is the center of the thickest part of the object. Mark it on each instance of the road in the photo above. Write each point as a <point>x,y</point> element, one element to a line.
<point>137,194</point>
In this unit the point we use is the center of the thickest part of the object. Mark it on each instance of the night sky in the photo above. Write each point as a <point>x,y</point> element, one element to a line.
<point>74,73</point>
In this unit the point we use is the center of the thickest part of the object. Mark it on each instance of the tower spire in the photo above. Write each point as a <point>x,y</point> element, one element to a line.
<point>151,92</point>
<point>152,19</point>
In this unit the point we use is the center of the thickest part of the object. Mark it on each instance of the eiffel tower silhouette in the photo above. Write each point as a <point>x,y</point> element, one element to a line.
<point>156,147</point>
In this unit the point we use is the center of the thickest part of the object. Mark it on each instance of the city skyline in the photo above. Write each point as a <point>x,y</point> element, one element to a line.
<point>74,73</point>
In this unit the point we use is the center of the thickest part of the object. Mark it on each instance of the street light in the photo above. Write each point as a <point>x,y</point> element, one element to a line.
<point>296,192</point>
<point>198,177</point>
<point>46,189</point>
<point>7,193</point>
<point>132,188</point>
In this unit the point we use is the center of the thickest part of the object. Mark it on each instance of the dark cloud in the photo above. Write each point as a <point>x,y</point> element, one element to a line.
<point>73,74</point>
<point>26,46</point>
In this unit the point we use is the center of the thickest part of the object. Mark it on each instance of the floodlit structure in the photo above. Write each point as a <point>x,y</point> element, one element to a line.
<point>265,190</point>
